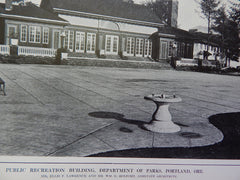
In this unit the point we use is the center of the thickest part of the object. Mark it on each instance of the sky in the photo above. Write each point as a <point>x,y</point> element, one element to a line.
<point>189,13</point>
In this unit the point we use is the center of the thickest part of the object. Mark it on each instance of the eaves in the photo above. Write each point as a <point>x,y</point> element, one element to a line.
<point>106,17</point>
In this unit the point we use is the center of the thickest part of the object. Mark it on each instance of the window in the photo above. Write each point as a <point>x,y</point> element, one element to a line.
<point>91,42</point>
<point>111,45</point>
<point>170,48</point>
<point>148,48</point>
<point>80,41</point>
<point>34,34</point>
<point>56,39</point>
<point>130,45</point>
<point>139,47</point>
<point>69,40</point>
<point>45,35</point>
<point>23,37</point>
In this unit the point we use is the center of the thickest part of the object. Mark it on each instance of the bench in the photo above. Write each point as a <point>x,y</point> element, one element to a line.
<point>2,86</point>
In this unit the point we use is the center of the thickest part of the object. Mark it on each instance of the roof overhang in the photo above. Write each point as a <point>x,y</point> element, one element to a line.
<point>106,17</point>
<point>27,18</point>
<point>166,35</point>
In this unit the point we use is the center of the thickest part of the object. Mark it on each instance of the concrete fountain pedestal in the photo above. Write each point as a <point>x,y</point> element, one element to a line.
<point>162,120</point>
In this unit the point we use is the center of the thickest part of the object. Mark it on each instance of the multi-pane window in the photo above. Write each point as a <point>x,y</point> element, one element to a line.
<point>45,35</point>
<point>139,47</point>
<point>23,37</point>
<point>111,45</point>
<point>148,48</point>
<point>80,41</point>
<point>130,45</point>
<point>108,43</point>
<point>91,42</point>
<point>34,34</point>
<point>69,40</point>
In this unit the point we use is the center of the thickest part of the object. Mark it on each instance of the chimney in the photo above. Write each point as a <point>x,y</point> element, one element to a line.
<point>8,5</point>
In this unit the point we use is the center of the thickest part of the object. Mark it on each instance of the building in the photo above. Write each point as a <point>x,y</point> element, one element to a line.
<point>170,41</point>
<point>105,27</point>
<point>28,25</point>
<point>96,27</point>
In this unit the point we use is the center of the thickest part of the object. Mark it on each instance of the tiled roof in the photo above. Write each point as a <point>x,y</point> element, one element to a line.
<point>113,8</point>
<point>29,10</point>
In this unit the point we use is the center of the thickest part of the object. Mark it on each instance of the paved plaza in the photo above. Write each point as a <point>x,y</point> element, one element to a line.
<point>80,111</point>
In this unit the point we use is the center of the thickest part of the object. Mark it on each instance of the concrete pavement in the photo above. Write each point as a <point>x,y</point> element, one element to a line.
<point>79,111</point>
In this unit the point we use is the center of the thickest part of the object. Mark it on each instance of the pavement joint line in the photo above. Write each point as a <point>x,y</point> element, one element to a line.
<point>153,138</point>
<point>94,92</point>
<point>186,112</point>
<point>211,103</point>
<point>205,101</point>
<point>78,139</point>
<point>94,84</point>
<point>197,105</point>
<point>61,91</point>
<point>104,142</point>
<point>83,87</point>
<point>25,90</point>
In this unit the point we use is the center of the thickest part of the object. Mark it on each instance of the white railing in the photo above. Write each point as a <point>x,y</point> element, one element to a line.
<point>34,51</point>
<point>5,49</point>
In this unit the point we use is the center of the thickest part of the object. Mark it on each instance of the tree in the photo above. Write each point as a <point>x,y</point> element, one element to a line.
<point>161,9</point>
<point>226,24</point>
<point>209,8</point>
<point>220,23</point>
<point>235,12</point>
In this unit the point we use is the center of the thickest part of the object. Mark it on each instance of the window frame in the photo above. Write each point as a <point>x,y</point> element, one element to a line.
<point>139,47</point>
<point>36,34</point>
<point>81,41</point>
<point>113,39</point>
<point>130,47</point>
<point>69,40</point>
<point>148,48</point>
<point>92,44</point>
<point>26,33</point>
<point>45,41</point>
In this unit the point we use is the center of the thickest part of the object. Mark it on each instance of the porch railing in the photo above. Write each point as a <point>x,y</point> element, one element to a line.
<point>5,49</point>
<point>34,51</point>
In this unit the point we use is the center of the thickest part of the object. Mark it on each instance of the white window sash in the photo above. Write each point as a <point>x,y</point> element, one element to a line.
<point>111,44</point>
<point>139,47</point>
<point>69,40</point>
<point>23,35</point>
<point>130,46</point>
<point>45,39</point>
<point>80,42</point>
<point>91,42</point>
<point>34,34</point>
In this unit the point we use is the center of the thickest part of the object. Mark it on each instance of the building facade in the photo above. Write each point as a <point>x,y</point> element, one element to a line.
<point>28,25</point>
<point>170,41</point>
<point>105,27</point>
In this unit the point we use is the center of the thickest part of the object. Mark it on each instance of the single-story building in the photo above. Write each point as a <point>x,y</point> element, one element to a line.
<point>170,39</point>
<point>106,27</point>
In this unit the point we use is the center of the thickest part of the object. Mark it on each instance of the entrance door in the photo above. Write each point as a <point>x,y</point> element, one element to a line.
<point>56,39</point>
<point>12,33</point>
<point>164,50</point>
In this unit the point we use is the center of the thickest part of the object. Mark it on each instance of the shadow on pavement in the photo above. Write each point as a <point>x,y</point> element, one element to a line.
<point>229,148</point>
